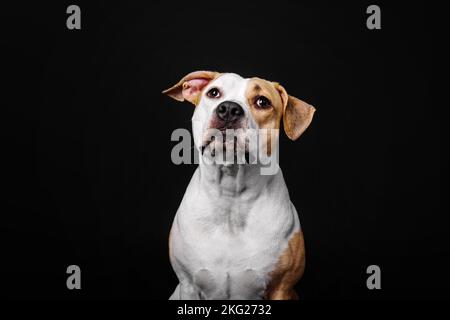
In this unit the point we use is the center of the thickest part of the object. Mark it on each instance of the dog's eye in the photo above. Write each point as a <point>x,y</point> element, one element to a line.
<point>262,102</point>
<point>213,93</point>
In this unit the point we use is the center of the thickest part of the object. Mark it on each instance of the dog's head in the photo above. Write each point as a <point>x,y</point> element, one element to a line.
<point>226,101</point>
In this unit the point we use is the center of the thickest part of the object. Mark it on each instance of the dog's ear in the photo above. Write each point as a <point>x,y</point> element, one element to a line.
<point>190,87</point>
<point>297,114</point>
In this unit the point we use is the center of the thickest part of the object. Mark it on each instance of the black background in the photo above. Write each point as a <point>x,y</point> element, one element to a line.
<point>87,177</point>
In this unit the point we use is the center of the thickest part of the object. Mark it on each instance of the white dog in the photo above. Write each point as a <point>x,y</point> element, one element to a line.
<point>236,234</point>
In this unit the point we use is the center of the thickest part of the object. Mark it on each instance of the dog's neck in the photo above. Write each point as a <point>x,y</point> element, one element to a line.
<point>233,180</point>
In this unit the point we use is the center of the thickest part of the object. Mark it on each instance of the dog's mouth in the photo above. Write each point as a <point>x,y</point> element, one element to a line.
<point>206,144</point>
<point>224,143</point>
<point>222,140</point>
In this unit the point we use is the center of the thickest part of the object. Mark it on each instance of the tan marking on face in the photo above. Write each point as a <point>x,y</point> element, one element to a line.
<point>288,270</point>
<point>265,118</point>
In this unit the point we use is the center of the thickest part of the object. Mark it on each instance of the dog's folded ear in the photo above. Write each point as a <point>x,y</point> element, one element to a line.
<point>190,87</point>
<point>297,114</point>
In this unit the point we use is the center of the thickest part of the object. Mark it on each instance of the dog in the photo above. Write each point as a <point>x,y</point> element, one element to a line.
<point>236,234</point>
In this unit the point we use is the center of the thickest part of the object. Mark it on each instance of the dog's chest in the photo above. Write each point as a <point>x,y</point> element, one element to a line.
<point>230,266</point>
<point>227,248</point>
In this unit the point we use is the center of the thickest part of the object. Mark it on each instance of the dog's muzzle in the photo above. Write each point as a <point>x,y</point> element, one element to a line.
<point>229,113</point>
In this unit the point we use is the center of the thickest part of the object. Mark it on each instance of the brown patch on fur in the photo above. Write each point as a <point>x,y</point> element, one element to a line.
<point>289,269</point>
<point>265,118</point>
<point>256,88</point>
<point>297,114</point>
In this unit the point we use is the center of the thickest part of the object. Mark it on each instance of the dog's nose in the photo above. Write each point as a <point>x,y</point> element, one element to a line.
<point>229,111</point>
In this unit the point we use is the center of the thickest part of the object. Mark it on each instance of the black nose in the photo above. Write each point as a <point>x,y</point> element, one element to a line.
<point>229,111</point>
